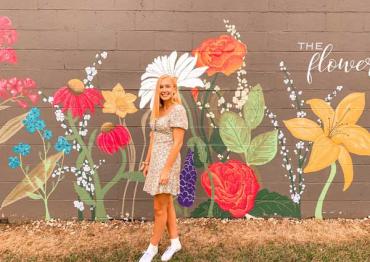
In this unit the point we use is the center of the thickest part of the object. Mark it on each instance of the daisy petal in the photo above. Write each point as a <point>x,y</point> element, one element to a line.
<point>172,61</point>
<point>191,82</point>
<point>146,98</point>
<point>185,72</point>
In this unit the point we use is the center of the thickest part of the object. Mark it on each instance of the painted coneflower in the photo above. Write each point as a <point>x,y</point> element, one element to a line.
<point>75,97</point>
<point>112,137</point>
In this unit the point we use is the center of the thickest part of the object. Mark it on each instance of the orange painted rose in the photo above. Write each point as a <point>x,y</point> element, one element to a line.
<point>222,54</point>
<point>236,186</point>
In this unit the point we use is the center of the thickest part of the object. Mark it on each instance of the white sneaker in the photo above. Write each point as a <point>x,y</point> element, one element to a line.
<point>172,249</point>
<point>147,256</point>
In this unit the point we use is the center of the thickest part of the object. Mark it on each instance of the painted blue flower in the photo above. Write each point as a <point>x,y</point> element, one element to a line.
<point>30,128</point>
<point>47,134</point>
<point>34,112</point>
<point>40,124</point>
<point>33,121</point>
<point>188,178</point>
<point>21,148</point>
<point>63,144</point>
<point>13,162</point>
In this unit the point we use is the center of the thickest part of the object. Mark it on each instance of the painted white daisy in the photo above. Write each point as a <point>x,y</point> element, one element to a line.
<point>183,69</point>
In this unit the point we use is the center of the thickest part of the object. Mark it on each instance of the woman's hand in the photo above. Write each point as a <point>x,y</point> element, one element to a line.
<point>144,168</point>
<point>164,177</point>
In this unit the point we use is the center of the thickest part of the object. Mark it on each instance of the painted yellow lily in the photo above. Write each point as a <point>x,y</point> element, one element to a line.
<point>339,136</point>
<point>118,101</point>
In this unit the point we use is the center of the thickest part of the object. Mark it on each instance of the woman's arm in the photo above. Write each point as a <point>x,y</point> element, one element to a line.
<point>147,159</point>
<point>178,138</point>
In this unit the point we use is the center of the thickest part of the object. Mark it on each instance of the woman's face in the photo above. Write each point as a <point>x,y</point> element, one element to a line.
<point>166,89</point>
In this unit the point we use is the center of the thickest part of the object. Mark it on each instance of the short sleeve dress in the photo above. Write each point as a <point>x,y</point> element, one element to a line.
<point>162,144</point>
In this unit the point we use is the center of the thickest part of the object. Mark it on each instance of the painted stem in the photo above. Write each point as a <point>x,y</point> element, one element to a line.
<point>210,209</point>
<point>211,205</point>
<point>47,214</point>
<point>99,197</point>
<point>318,210</point>
<point>100,212</point>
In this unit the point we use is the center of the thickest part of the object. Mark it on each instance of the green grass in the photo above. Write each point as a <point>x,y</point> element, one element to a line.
<point>350,251</point>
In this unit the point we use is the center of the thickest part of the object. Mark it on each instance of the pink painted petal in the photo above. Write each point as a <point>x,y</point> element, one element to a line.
<point>8,55</point>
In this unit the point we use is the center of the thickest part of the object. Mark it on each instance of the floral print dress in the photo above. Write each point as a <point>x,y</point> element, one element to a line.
<point>162,144</point>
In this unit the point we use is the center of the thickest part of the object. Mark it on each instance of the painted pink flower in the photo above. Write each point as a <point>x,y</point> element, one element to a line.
<point>8,35</point>
<point>112,138</point>
<point>75,97</point>
<point>17,90</point>
<point>8,55</point>
<point>5,22</point>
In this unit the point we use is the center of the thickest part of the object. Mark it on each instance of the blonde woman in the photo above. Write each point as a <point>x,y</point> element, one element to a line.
<point>161,167</point>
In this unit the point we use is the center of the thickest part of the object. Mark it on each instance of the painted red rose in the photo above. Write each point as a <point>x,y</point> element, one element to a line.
<point>222,54</point>
<point>236,186</point>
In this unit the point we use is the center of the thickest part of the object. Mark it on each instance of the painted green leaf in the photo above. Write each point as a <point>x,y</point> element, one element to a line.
<point>136,176</point>
<point>11,127</point>
<point>34,196</point>
<point>216,141</point>
<point>37,175</point>
<point>234,132</point>
<point>84,195</point>
<point>270,204</point>
<point>80,159</point>
<point>39,183</point>
<point>254,107</point>
<point>263,148</point>
<point>92,139</point>
<point>202,210</point>
<point>199,148</point>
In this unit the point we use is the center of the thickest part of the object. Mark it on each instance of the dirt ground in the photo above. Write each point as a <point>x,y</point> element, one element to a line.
<point>62,238</point>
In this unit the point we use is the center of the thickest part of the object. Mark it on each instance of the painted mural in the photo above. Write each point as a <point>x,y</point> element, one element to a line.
<point>225,150</point>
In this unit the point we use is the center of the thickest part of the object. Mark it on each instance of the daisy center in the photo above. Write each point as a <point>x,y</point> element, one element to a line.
<point>77,86</point>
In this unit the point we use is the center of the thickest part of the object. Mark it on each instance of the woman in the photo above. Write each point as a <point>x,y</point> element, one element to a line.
<point>161,167</point>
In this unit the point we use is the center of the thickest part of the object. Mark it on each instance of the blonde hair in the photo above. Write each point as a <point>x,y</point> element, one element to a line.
<point>158,101</point>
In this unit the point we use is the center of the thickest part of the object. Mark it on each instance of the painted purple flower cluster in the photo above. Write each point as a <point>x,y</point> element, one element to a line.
<point>188,178</point>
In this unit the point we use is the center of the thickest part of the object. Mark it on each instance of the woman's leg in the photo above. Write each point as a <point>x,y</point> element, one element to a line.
<point>161,202</point>
<point>171,219</point>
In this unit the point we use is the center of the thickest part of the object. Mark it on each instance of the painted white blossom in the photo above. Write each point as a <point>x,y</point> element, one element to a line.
<point>79,205</point>
<point>299,145</point>
<point>59,115</point>
<point>183,68</point>
<point>296,198</point>
<point>292,96</point>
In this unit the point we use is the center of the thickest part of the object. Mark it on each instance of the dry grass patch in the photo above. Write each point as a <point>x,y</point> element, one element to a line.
<point>206,238</point>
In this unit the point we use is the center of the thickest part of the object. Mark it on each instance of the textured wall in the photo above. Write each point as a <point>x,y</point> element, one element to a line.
<point>52,42</point>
